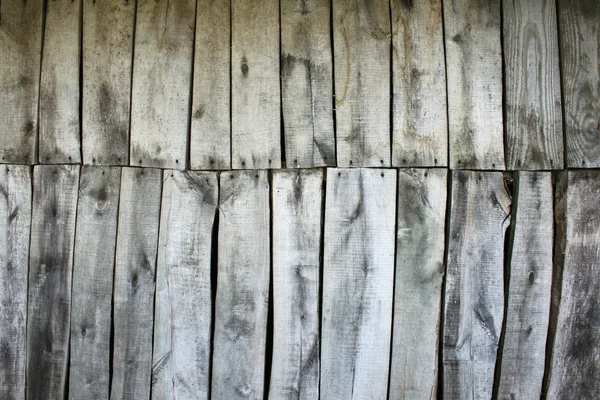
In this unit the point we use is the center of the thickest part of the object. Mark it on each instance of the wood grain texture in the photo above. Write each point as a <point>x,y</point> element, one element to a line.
<point>135,265</point>
<point>93,270</point>
<point>183,305</point>
<point>15,224</point>
<point>242,286</point>
<point>358,283</point>
<point>297,215</point>
<point>50,270</point>
<point>361,33</point>
<point>419,275</point>
<point>474,291</point>
<point>419,113</point>
<point>474,74</point>
<point>21,49</point>
<point>307,83</point>
<point>255,90</point>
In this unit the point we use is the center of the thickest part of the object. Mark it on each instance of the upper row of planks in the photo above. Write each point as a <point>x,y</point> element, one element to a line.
<point>212,84</point>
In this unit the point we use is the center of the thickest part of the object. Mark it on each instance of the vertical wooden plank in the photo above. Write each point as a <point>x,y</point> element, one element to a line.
<point>361,32</point>
<point>255,96</point>
<point>297,211</point>
<point>15,223</point>
<point>135,263</point>
<point>21,49</point>
<point>419,113</point>
<point>474,297</point>
<point>162,79</point>
<point>474,74</point>
<point>524,350</point>
<point>358,276</point>
<point>183,306</point>
<point>419,275</point>
<point>242,286</point>
<point>307,83</point>
<point>59,86</point>
<point>93,270</point>
<point>50,271</point>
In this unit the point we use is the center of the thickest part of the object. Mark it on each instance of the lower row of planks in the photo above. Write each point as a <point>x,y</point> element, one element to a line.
<point>109,276</point>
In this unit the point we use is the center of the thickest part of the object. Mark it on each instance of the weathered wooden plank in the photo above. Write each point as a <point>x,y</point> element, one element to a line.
<point>419,275</point>
<point>162,79</point>
<point>133,302</point>
<point>50,271</point>
<point>93,270</point>
<point>361,32</point>
<point>297,211</point>
<point>474,296</point>
<point>15,223</point>
<point>183,306</point>
<point>528,308</point>
<point>107,57</point>
<point>307,83</point>
<point>21,49</point>
<point>59,138</point>
<point>419,113</point>
<point>358,280</point>
<point>255,96</point>
<point>242,286</point>
<point>579,33</point>
<point>474,74</point>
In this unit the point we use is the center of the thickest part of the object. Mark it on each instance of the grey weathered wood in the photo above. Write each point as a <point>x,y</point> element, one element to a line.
<point>162,79</point>
<point>297,211</point>
<point>255,96</point>
<point>358,280</point>
<point>93,270</point>
<point>59,134</point>
<point>15,223</point>
<point>107,57</point>
<point>50,270</point>
<point>419,113</point>
<point>183,305</point>
<point>307,83</point>
<point>419,275</point>
<point>21,49</point>
<point>528,308</point>
<point>474,296</point>
<point>361,32</point>
<point>242,286</point>
<point>474,74</point>
<point>579,32</point>
<point>135,265</point>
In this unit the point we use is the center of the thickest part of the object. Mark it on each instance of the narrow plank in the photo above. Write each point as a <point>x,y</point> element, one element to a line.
<point>307,83</point>
<point>419,113</point>
<point>15,223</point>
<point>183,306</point>
<point>107,62</point>
<point>358,280</point>
<point>135,265</point>
<point>419,275</point>
<point>297,212</point>
<point>242,286</point>
<point>255,96</point>
<point>162,79</point>
<point>93,270</point>
<point>50,271</point>
<point>21,49</point>
<point>474,74</point>
<point>59,138</point>
<point>474,291</point>
<point>524,350</point>
<point>361,33</point>
<point>579,33</point>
